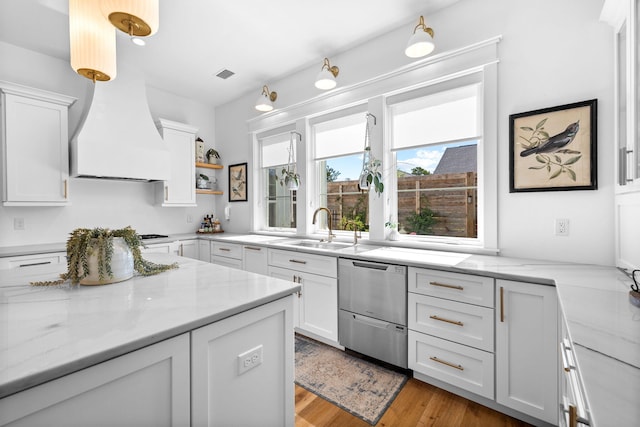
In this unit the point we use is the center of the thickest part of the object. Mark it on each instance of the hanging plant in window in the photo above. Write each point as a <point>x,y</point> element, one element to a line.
<point>290,178</point>
<point>370,175</point>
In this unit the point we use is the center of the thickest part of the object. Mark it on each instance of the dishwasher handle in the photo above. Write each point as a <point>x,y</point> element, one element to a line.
<point>374,266</point>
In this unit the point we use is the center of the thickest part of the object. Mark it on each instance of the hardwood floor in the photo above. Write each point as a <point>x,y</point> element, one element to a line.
<point>417,404</point>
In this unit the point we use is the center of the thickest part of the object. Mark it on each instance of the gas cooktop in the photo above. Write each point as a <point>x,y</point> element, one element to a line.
<point>152,236</point>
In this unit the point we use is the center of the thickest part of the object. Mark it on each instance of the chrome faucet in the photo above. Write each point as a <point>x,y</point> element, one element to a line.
<point>331,235</point>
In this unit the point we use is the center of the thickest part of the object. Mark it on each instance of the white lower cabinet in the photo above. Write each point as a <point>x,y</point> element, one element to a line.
<point>242,369</point>
<point>527,349</point>
<point>161,248</point>
<point>148,387</point>
<point>204,250</point>
<point>255,259</point>
<point>451,321</point>
<point>188,248</point>
<point>227,254</point>
<point>33,260</point>
<point>316,308</point>
<point>462,366</point>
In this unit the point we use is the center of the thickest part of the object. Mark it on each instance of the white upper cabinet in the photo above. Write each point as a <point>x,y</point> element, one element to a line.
<point>35,146</point>
<point>180,190</point>
<point>623,16</point>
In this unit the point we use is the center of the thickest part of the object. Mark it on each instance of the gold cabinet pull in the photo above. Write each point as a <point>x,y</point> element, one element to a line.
<point>166,193</point>
<point>224,249</point>
<point>66,188</point>
<point>502,304</point>
<point>442,319</point>
<point>573,416</point>
<point>297,261</point>
<point>181,249</point>
<point>252,248</point>
<point>444,285</point>
<point>444,362</point>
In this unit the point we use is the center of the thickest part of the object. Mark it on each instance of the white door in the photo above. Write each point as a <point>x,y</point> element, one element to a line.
<point>527,348</point>
<point>255,259</point>
<point>319,305</point>
<point>148,387</point>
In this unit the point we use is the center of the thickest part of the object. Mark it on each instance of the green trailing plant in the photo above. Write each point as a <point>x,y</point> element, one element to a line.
<point>371,173</point>
<point>85,242</point>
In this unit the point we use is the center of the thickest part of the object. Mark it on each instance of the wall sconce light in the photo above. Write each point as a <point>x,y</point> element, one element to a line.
<point>327,76</point>
<point>92,41</point>
<point>421,42</point>
<point>266,99</point>
<point>137,18</point>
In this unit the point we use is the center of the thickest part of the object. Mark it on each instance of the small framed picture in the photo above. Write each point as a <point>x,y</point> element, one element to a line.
<point>554,149</point>
<point>238,182</point>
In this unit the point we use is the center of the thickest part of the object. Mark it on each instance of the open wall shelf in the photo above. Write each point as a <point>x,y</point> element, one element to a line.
<point>208,165</point>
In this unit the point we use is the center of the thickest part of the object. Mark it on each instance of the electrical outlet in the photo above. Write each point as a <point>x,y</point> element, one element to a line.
<point>562,227</point>
<point>249,359</point>
<point>189,219</point>
<point>18,223</point>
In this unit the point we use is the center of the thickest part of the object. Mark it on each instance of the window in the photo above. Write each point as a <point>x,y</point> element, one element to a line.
<point>278,202</point>
<point>435,138</point>
<point>339,143</point>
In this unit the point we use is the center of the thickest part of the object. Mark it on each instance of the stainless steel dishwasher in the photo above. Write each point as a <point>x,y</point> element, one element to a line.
<point>372,320</point>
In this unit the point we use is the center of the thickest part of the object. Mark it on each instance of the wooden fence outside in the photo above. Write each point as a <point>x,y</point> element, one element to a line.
<point>452,198</point>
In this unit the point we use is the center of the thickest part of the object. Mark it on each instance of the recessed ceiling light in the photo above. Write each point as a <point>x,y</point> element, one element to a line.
<point>224,74</point>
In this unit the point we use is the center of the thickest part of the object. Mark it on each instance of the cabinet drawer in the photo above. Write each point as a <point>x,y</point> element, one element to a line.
<point>303,262</point>
<point>227,262</point>
<point>31,260</point>
<point>465,367</point>
<point>455,321</point>
<point>226,250</point>
<point>454,286</point>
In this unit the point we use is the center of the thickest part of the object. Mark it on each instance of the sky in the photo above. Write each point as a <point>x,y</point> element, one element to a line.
<point>425,157</point>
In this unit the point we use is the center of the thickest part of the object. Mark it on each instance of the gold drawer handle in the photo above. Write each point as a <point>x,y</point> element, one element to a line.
<point>252,248</point>
<point>297,261</point>
<point>444,362</point>
<point>444,285</point>
<point>442,319</point>
<point>224,249</point>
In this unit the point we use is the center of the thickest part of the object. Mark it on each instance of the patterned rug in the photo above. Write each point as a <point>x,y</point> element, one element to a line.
<point>360,387</point>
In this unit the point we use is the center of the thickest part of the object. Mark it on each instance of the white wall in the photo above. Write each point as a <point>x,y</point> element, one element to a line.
<point>98,203</point>
<point>552,53</point>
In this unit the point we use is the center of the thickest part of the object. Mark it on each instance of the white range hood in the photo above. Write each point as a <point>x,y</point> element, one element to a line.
<point>118,138</point>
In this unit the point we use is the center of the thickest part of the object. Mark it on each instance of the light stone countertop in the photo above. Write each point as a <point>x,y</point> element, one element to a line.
<point>48,332</point>
<point>603,325</point>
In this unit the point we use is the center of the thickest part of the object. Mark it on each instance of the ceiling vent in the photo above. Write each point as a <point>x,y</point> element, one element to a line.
<point>224,74</point>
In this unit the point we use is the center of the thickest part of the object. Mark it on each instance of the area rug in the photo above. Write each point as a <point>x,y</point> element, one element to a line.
<point>360,387</point>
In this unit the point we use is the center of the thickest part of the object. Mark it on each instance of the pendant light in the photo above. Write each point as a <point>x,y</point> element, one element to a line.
<point>266,99</point>
<point>92,41</point>
<point>137,18</point>
<point>326,78</point>
<point>421,42</point>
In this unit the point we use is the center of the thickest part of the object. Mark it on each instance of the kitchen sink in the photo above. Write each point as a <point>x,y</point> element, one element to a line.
<point>319,245</point>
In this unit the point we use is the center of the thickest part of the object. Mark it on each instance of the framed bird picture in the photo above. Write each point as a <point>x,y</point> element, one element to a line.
<point>554,149</point>
<point>238,182</point>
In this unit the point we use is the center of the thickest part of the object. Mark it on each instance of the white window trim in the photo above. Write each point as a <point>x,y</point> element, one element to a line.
<point>482,56</point>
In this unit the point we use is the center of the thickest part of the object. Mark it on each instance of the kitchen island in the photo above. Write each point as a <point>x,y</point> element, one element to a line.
<point>190,331</point>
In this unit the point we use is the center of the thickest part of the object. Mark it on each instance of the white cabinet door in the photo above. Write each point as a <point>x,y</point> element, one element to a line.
<point>180,190</point>
<point>148,387</point>
<point>316,308</point>
<point>161,248</point>
<point>255,259</point>
<point>527,348</point>
<point>188,248</point>
<point>35,147</point>
<point>204,250</point>
<point>242,369</point>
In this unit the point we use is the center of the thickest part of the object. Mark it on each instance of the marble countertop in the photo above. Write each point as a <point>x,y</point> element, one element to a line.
<point>602,323</point>
<point>48,332</point>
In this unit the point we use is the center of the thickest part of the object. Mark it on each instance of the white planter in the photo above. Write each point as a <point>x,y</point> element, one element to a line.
<point>394,235</point>
<point>121,265</point>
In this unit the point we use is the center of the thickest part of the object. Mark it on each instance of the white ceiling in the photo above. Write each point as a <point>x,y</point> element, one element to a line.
<point>261,41</point>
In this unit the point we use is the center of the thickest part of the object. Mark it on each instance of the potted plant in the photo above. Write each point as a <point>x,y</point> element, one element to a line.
<point>290,179</point>
<point>100,256</point>
<point>393,234</point>
<point>202,181</point>
<point>371,174</point>
<point>212,156</point>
